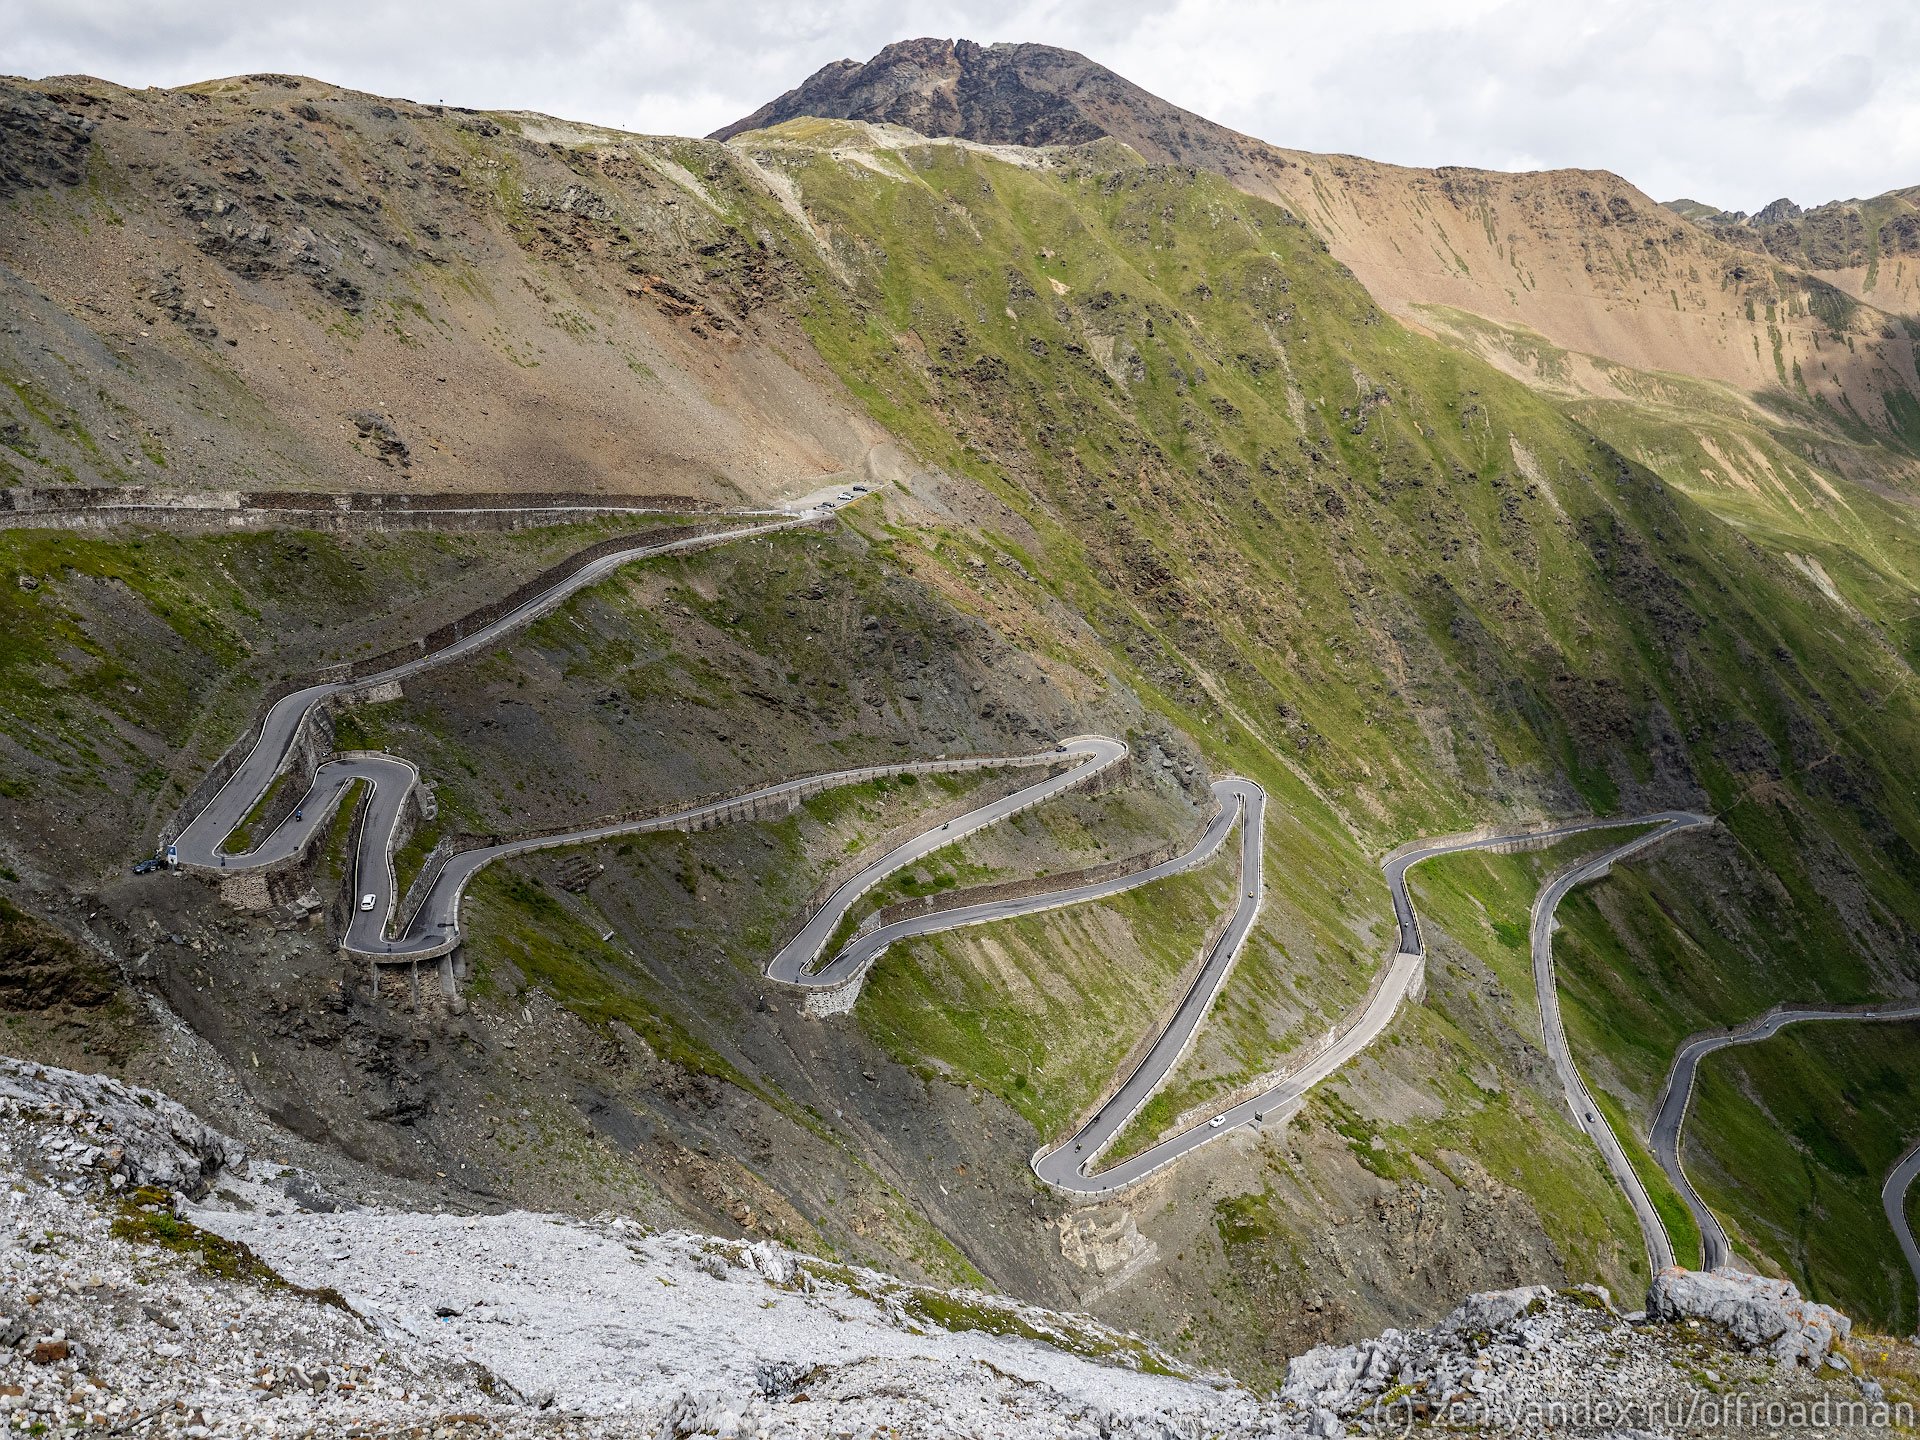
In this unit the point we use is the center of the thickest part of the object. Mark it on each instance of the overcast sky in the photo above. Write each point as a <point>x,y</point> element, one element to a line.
<point>1728,101</point>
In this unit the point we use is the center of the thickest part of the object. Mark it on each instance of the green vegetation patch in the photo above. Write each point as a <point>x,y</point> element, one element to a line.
<point>1790,1140</point>
<point>1041,1010</point>
<point>146,1218</point>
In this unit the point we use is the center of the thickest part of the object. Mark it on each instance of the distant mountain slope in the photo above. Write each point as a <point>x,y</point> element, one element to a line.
<point>1581,259</point>
<point>1868,248</point>
<point>270,260</point>
<point>1178,477</point>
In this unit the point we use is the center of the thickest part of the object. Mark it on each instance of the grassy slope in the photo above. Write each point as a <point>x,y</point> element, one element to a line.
<point>1306,537</point>
<point>1041,1010</point>
<point>1790,1141</point>
<point>1314,539</point>
<point>1483,902</point>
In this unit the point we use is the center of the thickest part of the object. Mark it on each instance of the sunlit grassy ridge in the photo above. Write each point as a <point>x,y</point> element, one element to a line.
<point>1398,587</point>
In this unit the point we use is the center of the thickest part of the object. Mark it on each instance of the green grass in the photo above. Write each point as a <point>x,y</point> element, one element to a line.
<point>1790,1141</point>
<point>335,867</point>
<point>410,857</point>
<point>1040,1010</point>
<point>242,839</point>
<point>146,1219</point>
<point>1683,1231</point>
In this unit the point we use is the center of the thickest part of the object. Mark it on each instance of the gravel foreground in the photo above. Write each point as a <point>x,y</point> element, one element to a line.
<point>156,1281</point>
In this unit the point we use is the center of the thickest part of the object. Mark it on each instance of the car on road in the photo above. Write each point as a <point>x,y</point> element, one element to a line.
<point>367,901</point>
<point>1216,1122</point>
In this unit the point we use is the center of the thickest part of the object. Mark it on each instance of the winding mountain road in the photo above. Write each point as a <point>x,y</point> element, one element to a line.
<point>433,930</point>
<point>1670,1118</point>
<point>200,845</point>
<point>1587,1113</point>
<point>1893,1200</point>
<point>794,963</point>
<point>1068,1165</point>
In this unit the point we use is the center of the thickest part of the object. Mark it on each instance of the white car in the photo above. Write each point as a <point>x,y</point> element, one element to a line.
<point>367,901</point>
<point>1216,1122</point>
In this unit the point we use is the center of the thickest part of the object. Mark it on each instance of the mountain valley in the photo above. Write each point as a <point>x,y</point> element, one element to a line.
<point>1422,501</point>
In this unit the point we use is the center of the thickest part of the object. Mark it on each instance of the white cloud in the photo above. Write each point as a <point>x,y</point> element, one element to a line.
<point>1732,101</point>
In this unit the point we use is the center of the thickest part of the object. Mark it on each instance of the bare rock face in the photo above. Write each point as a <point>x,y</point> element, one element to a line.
<point>946,87</point>
<point>379,430</point>
<point>1108,1245</point>
<point>123,1133</point>
<point>41,143</point>
<point>1758,1312</point>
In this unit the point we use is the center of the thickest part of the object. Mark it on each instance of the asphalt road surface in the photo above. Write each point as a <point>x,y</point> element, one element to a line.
<point>200,845</point>
<point>1893,1200</point>
<point>1670,1119</point>
<point>793,965</point>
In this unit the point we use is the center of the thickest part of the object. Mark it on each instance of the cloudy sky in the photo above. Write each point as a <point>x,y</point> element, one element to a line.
<point>1729,101</point>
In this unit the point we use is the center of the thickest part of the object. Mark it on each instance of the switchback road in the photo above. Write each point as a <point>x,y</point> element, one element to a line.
<point>1670,1118</point>
<point>1068,1165</point>
<point>1586,1111</point>
<point>200,844</point>
<point>1893,1200</point>
<point>433,929</point>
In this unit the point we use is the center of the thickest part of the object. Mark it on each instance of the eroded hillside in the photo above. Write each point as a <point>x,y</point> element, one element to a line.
<point>1867,248</point>
<point>273,282</point>
<point>1579,260</point>
<point>1174,475</point>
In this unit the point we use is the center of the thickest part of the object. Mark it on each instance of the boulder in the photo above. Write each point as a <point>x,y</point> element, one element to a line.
<point>1344,1379</point>
<point>1758,1312</point>
<point>1485,1313</point>
<point>139,1135</point>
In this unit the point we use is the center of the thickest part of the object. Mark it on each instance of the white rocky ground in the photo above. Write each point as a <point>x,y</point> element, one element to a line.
<point>436,1326</point>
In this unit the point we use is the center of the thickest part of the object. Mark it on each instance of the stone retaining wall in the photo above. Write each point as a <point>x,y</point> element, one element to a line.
<point>88,507</point>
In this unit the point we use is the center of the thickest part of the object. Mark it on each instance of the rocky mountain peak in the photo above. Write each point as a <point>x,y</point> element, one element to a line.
<point>997,94</point>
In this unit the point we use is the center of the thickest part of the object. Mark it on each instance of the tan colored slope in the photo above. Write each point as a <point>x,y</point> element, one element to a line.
<point>1868,248</point>
<point>1580,258</point>
<point>209,285</point>
<point>1587,261</point>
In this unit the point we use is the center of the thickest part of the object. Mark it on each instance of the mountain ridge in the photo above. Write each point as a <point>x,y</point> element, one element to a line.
<point>1168,471</point>
<point>1580,258</point>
